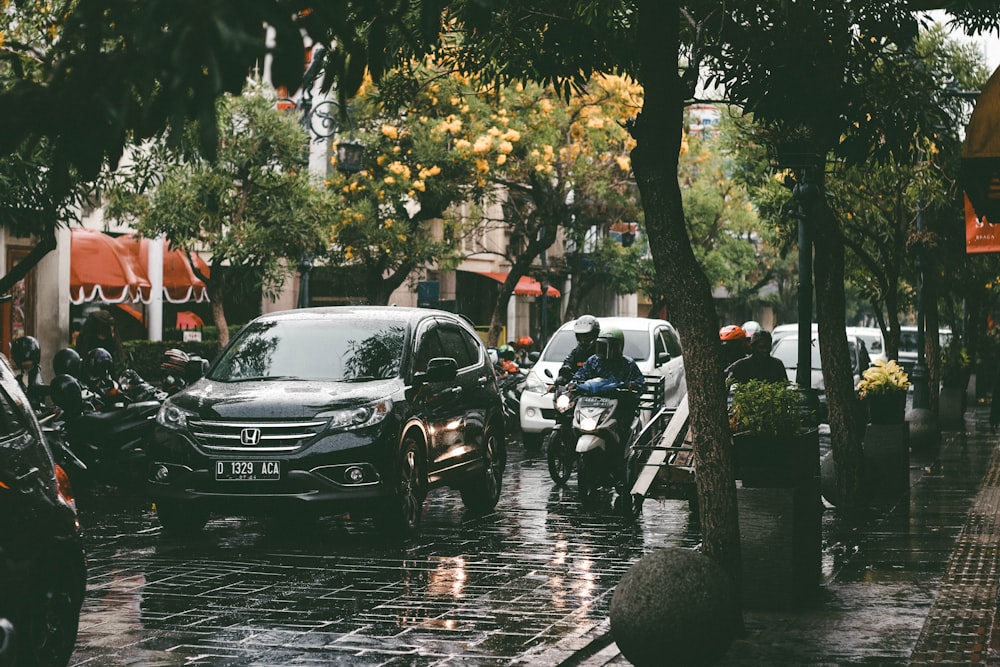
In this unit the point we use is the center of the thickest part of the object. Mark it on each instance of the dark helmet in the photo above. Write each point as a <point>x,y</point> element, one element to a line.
<point>610,343</point>
<point>67,394</point>
<point>174,361</point>
<point>99,363</point>
<point>586,329</point>
<point>506,352</point>
<point>67,362</point>
<point>25,348</point>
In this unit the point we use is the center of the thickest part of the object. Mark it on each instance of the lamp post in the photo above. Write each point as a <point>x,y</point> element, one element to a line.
<point>321,121</point>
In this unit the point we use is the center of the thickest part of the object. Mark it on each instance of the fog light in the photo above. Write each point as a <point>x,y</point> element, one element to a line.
<point>530,412</point>
<point>355,475</point>
<point>161,473</point>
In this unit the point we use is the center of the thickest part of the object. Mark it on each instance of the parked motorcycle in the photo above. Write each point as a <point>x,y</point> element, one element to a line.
<point>108,439</point>
<point>511,385</point>
<point>596,427</point>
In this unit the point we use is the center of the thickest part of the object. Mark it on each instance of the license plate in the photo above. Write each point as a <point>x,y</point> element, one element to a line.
<point>247,470</point>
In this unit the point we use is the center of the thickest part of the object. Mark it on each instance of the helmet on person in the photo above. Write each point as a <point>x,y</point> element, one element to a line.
<point>67,362</point>
<point>525,341</point>
<point>732,332</point>
<point>98,363</point>
<point>750,327</point>
<point>610,343</point>
<point>586,328</point>
<point>506,352</point>
<point>174,361</point>
<point>25,349</point>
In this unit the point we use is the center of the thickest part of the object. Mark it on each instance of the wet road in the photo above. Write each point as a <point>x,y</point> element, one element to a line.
<point>248,591</point>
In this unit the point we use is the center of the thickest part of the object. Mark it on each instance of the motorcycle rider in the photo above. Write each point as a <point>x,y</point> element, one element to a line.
<point>67,361</point>
<point>620,371</point>
<point>759,364</point>
<point>735,344</point>
<point>586,328</point>
<point>507,364</point>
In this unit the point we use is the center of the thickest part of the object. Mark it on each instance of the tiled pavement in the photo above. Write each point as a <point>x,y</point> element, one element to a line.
<point>531,584</point>
<point>916,584</point>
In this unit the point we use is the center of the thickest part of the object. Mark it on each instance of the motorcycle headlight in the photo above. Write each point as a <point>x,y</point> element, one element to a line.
<point>360,416</point>
<point>563,403</point>
<point>588,424</point>
<point>173,417</point>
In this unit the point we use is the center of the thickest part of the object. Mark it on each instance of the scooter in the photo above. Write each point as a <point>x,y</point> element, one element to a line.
<point>109,442</point>
<point>595,425</point>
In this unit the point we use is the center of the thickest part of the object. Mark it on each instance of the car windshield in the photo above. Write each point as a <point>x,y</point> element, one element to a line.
<point>343,350</point>
<point>787,350</point>
<point>564,340</point>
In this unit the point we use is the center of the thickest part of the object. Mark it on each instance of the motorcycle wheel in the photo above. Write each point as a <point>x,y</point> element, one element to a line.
<point>560,457</point>
<point>587,476</point>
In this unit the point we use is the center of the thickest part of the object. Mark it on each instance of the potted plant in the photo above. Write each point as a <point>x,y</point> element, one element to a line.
<point>883,388</point>
<point>772,447</point>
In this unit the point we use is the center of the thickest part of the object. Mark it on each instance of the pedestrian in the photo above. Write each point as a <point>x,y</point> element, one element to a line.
<point>99,330</point>
<point>759,364</point>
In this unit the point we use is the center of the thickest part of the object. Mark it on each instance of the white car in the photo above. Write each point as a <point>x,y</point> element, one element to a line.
<point>907,357</point>
<point>653,344</point>
<point>787,350</point>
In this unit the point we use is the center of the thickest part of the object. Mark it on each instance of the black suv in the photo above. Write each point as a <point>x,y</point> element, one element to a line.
<point>360,409</point>
<point>43,572</point>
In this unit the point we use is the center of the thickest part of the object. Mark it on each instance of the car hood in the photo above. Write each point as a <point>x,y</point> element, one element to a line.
<point>279,399</point>
<point>815,378</point>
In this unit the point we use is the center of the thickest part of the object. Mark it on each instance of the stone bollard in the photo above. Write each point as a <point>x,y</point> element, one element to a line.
<point>674,607</point>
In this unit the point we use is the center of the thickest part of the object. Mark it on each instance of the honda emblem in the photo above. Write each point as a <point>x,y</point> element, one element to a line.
<point>250,436</point>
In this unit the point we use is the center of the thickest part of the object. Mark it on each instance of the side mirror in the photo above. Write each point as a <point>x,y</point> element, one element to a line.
<point>439,369</point>
<point>662,358</point>
<point>195,369</point>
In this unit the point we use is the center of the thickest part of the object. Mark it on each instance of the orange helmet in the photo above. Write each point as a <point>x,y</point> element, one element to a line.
<point>525,341</point>
<point>732,332</point>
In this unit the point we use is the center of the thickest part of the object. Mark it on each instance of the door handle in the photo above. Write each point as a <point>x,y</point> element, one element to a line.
<point>483,381</point>
<point>455,390</point>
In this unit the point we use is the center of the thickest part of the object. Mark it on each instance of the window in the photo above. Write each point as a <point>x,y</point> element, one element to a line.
<point>456,345</point>
<point>428,348</point>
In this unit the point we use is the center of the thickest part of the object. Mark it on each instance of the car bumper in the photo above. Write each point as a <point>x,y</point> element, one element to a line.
<point>537,412</point>
<point>339,470</point>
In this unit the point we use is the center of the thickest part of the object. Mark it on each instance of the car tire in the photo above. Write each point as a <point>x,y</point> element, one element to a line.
<point>181,518</point>
<point>560,459</point>
<point>47,633</point>
<point>402,514</point>
<point>483,494</point>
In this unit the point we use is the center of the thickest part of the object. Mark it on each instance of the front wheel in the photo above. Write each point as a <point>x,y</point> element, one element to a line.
<point>46,635</point>
<point>403,513</point>
<point>588,475</point>
<point>483,494</point>
<point>561,457</point>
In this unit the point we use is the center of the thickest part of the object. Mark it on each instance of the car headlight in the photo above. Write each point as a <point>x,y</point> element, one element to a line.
<point>535,384</point>
<point>360,416</point>
<point>173,417</point>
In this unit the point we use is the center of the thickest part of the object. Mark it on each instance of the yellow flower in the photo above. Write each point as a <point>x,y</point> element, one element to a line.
<point>511,135</point>
<point>493,131</point>
<point>623,162</point>
<point>381,160</point>
<point>390,131</point>
<point>505,147</point>
<point>419,185</point>
<point>482,144</point>
<point>502,158</point>
<point>429,172</point>
<point>595,123</point>
<point>400,169</point>
<point>388,180</point>
<point>482,166</point>
<point>462,144</point>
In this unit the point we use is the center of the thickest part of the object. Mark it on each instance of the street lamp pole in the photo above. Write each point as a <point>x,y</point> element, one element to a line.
<point>321,121</point>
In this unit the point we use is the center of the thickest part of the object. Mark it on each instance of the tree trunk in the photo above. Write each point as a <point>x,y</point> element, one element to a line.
<point>831,310</point>
<point>216,292</point>
<point>658,131</point>
<point>932,339</point>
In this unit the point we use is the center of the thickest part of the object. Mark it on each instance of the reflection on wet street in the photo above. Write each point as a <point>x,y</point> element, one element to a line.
<point>257,591</point>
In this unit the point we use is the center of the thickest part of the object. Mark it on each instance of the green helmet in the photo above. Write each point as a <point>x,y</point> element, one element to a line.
<point>505,352</point>
<point>610,343</point>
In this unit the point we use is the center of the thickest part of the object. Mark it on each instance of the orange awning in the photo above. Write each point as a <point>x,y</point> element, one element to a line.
<point>100,271</point>
<point>113,270</point>
<point>526,286</point>
<point>180,285</point>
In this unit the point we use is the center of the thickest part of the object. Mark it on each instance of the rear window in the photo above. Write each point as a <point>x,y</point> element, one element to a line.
<point>314,349</point>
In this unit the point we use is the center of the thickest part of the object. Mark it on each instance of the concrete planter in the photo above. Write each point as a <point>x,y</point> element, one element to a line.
<point>887,458</point>
<point>951,408</point>
<point>780,513</point>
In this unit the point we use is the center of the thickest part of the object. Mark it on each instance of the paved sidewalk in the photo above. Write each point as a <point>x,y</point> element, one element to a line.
<point>914,584</point>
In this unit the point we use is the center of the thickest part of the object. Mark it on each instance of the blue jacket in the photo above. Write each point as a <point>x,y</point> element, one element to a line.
<point>622,370</point>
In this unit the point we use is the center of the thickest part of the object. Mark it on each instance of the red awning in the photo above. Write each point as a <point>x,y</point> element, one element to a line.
<point>99,270</point>
<point>180,285</point>
<point>526,286</point>
<point>113,270</point>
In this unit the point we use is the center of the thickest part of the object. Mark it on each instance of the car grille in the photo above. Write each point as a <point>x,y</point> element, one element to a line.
<point>254,437</point>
